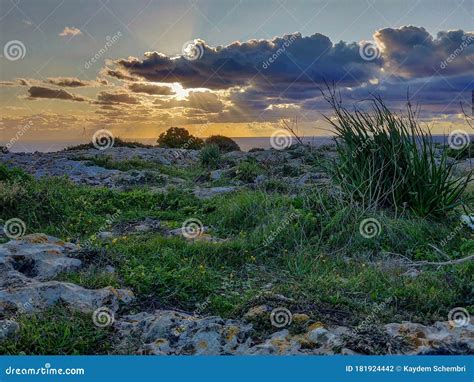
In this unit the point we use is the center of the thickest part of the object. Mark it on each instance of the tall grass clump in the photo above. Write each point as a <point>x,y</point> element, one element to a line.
<point>210,156</point>
<point>387,160</point>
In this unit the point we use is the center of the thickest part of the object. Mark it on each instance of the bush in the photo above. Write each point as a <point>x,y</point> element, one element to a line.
<point>11,174</point>
<point>118,142</point>
<point>225,144</point>
<point>387,159</point>
<point>179,138</point>
<point>248,170</point>
<point>210,156</point>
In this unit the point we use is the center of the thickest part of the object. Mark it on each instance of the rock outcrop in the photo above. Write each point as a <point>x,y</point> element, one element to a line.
<point>27,269</point>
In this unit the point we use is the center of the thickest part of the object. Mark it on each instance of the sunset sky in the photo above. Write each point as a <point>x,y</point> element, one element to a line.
<point>70,68</point>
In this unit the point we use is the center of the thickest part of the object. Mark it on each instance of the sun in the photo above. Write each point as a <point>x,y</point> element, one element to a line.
<point>181,93</point>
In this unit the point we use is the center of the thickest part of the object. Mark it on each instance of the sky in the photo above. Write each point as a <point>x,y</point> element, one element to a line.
<point>237,68</point>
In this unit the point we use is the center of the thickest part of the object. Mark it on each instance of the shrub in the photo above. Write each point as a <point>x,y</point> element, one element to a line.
<point>179,138</point>
<point>210,156</point>
<point>248,170</point>
<point>225,144</point>
<point>118,142</point>
<point>386,159</point>
<point>11,174</point>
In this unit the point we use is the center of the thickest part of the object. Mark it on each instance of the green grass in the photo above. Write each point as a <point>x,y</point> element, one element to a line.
<point>122,165</point>
<point>306,246</point>
<point>58,207</point>
<point>91,278</point>
<point>210,156</point>
<point>388,160</point>
<point>57,331</point>
<point>463,153</point>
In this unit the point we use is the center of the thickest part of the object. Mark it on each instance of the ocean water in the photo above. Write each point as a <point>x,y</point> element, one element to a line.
<point>245,143</point>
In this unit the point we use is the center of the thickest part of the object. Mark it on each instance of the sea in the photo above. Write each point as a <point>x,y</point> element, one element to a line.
<point>245,143</point>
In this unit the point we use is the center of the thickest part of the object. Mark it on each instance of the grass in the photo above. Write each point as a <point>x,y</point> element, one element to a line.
<point>312,233</point>
<point>108,162</point>
<point>386,159</point>
<point>463,153</point>
<point>303,243</point>
<point>58,331</point>
<point>58,207</point>
<point>210,156</point>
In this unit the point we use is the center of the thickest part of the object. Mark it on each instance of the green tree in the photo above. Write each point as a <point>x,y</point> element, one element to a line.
<point>179,138</point>
<point>225,144</point>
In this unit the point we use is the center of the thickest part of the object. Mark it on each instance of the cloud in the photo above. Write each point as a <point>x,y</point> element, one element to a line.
<point>74,82</point>
<point>44,92</point>
<point>264,81</point>
<point>70,31</point>
<point>108,98</point>
<point>118,74</point>
<point>23,82</point>
<point>282,61</point>
<point>412,52</point>
<point>140,87</point>
<point>16,82</point>
<point>203,101</point>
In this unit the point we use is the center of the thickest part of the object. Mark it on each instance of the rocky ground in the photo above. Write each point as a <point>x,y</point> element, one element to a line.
<point>31,265</point>
<point>79,166</point>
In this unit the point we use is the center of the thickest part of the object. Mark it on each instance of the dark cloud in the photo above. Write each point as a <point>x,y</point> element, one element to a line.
<point>281,61</point>
<point>73,82</point>
<point>118,74</point>
<point>44,92</point>
<point>110,98</point>
<point>411,51</point>
<point>140,87</point>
